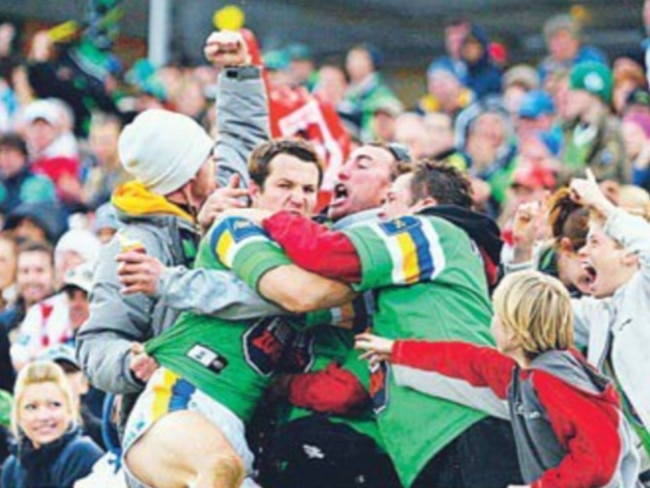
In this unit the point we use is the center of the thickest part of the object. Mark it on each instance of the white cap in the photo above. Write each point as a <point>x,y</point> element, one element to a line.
<point>80,276</point>
<point>81,241</point>
<point>164,150</point>
<point>45,110</point>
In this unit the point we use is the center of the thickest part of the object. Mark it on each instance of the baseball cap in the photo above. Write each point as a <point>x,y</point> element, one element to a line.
<point>79,277</point>
<point>534,177</point>
<point>276,60</point>
<point>536,103</point>
<point>437,67</point>
<point>63,355</point>
<point>299,52</point>
<point>594,77</point>
<point>522,75</point>
<point>106,218</point>
<point>43,110</point>
<point>389,105</point>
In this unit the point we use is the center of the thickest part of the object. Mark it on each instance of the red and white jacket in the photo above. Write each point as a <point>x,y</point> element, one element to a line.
<point>569,427</point>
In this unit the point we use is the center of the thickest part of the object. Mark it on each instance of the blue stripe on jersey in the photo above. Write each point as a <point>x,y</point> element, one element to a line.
<point>423,250</point>
<point>181,393</point>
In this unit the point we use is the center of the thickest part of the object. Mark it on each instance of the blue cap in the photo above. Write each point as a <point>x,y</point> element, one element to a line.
<point>552,139</point>
<point>441,65</point>
<point>299,52</point>
<point>276,60</point>
<point>106,218</point>
<point>536,103</point>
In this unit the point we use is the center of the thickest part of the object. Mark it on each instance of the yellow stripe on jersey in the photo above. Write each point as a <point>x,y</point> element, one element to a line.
<point>414,248</point>
<point>224,247</point>
<point>410,266</point>
<point>230,235</point>
<point>162,392</point>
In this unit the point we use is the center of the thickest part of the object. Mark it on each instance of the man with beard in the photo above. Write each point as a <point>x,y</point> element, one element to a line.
<point>173,160</point>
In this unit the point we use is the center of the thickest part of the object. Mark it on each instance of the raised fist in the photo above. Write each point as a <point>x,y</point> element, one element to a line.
<point>226,48</point>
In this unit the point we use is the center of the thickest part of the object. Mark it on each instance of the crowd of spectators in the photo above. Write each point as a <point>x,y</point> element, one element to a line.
<point>110,194</point>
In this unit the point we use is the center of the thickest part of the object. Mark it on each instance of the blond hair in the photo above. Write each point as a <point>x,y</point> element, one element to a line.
<point>38,372</point>
<point>536,309</point>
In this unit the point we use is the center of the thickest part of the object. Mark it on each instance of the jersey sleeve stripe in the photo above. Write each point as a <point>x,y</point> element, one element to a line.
<point>231,235</point>
<point>223,249</point>
<point>435,252</point>
<point>415,252</point>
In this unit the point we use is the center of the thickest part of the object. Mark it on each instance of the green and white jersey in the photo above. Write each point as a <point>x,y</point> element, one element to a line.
<point>333,340</point>
<point>446,299</point>
<point>232,362</point>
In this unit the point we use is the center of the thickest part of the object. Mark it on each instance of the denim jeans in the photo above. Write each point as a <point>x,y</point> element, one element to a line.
<point>484,456</point>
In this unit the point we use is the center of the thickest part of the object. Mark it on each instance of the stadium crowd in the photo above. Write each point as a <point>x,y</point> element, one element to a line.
<point>266,271</point>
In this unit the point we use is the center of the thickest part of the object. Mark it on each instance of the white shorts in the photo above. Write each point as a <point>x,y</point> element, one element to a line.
<point>167,392</point>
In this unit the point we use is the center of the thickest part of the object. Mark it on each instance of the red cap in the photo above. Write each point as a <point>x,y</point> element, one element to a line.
<point>498,53</point>
<point>534,177</point>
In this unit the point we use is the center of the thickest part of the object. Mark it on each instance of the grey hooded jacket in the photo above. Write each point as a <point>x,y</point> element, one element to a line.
<point>104,341</point>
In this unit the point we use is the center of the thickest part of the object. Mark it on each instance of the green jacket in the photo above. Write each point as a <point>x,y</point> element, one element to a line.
<point>599,147</point>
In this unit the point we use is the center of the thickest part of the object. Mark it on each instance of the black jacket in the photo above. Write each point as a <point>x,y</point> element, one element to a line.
<point>56,465</point>
<point>481,229</point>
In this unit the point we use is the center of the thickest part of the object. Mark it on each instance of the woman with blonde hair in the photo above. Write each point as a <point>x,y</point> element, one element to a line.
<point>50,449</point>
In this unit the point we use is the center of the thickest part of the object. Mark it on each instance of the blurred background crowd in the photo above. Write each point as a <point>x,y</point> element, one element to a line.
<point>519,130</point>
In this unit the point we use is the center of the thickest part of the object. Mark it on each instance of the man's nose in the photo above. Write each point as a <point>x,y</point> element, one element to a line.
<point>344,173</point>
<point>297,196</point>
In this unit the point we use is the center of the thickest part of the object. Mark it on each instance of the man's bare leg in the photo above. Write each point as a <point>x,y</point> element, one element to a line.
<point>184,449</point>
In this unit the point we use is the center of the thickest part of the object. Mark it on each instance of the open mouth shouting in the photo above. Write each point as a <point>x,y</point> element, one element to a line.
<point>340,195</point>
<point>591,275</point>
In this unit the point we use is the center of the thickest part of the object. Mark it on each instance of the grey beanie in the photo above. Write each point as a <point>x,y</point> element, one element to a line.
<point>163,150</point>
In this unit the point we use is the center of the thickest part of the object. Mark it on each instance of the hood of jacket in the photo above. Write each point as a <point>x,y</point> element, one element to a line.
<point>133,202</point>
<point>477,32</point>
<point>480,228</point>
<point>570,367</point>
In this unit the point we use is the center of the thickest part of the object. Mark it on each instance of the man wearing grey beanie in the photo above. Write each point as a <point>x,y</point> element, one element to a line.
<point>173,164</point>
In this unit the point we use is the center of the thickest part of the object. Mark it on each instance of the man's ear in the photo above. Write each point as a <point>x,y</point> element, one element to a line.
<point>255,191</point>
<point>630,260</point>
<point>565,245</point>
<point>425,202</point>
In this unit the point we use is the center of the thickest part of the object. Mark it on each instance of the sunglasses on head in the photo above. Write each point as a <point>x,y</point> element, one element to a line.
<point>400,152</point>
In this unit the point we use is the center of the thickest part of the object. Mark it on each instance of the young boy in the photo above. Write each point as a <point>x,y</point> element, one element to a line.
<point>612,323</point>
<point>567,418</point>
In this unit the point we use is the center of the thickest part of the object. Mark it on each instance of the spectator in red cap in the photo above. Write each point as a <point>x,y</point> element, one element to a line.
<point>43,127</point>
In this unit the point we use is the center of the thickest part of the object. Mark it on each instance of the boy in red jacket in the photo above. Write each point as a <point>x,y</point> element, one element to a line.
<point>567,419</point>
